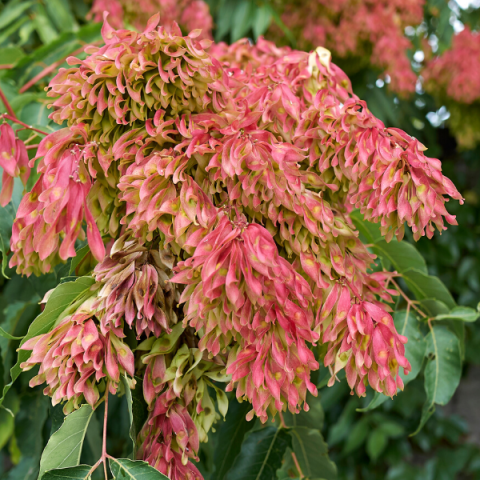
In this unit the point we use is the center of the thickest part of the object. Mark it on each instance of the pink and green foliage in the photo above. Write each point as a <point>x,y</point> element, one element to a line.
<point>214,185</point>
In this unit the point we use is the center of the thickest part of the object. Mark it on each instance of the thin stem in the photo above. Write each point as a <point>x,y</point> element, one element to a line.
<point>30,147</point>
<point>7,104</point>
<point>295,461</point>
<point>51,68</point>
<point>410,303</point>
<point>104,445</point>
<point>14,119</point>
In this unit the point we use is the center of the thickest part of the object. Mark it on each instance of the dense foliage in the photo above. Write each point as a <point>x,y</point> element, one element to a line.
<point>197,220</point>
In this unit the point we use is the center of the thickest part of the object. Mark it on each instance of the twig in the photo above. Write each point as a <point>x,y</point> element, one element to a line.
<point>46,71</point>
<point>7,104</point>
<point>295,461</point>
<point>7,66</point>
<point>410,303</point>
<point>14,119</point>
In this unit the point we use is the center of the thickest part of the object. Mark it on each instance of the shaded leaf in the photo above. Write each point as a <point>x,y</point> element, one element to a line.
<point>444,367</point>
<point>12,11</point>
<point>63,296</point>
<point>137,409</point>
<point>312,453</point>
<point>261,455</point>
<point>71,473</point>
<point>231,434</point>
<point>65,445</point>
<point>426,286</point>
<point>262,19</point>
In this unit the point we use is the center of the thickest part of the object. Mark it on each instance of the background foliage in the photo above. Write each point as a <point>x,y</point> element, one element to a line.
<point>363,442</point>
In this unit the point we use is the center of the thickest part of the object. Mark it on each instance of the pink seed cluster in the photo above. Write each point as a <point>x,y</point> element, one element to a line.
<point>213,184</point>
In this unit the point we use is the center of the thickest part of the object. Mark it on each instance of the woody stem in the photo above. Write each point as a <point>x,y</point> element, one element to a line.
<point>410,302</point>
<point>7,104</point>
<point>14,119</point>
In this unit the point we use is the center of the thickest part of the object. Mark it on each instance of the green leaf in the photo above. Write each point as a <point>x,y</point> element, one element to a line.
<point>230,437</point>
<point>224,20</point>
<point>357,435</point>
<point>81,472</point>
<point>65,445</point>
<point>242,17</point>
<point>370,231</point>
<point>61,14</point>
<point>444,367</point>
<point>44,27</point>
<point>60,299</point>
<point>79,257</point>
<point>137,409</point>
<point>312,453</point>
<point>427,411</point>
<point>377,400</point>
<point>311,419</point>
<point>401,255</point>
<point>409,326</point>
<point>376,443</point>
<point>261,455</point>
<point>10,55</point>
<point>5,334</point>
<point>261,20</point>
<point>289,470</point>
<point>124,469</point>
<point>7,216</point>
<point>426,286</point>
<point>12,11</point>
<point>464,314</point>
<point>442,372</point>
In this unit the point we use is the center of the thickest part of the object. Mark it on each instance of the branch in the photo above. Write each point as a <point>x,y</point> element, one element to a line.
<point>46,71</point>
<point>14,119</point>
<point>7,104</point>
<point>410,303</point>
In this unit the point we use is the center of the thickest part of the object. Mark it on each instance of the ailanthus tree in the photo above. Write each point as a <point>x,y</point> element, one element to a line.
<point>214,185</point>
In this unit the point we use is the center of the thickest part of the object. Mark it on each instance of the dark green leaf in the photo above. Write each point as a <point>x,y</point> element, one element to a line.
<point>137,409</point>
<point>124,469</point>
<point>261,455</point>
<point>261,20</point>
<point>427,286</point>
<point>311,419</point>
<point>444,367</point>
<point>72,473</point>
<point>370,231</point>
<point>7,216</point>
<point>65,445</point>
<point>376,443</point>
<point>63,296</point>
<point>242,19</point>
<point>230,437</point>
<point>312,453</point>
<point>409,326</point>
<point>401,255</point>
